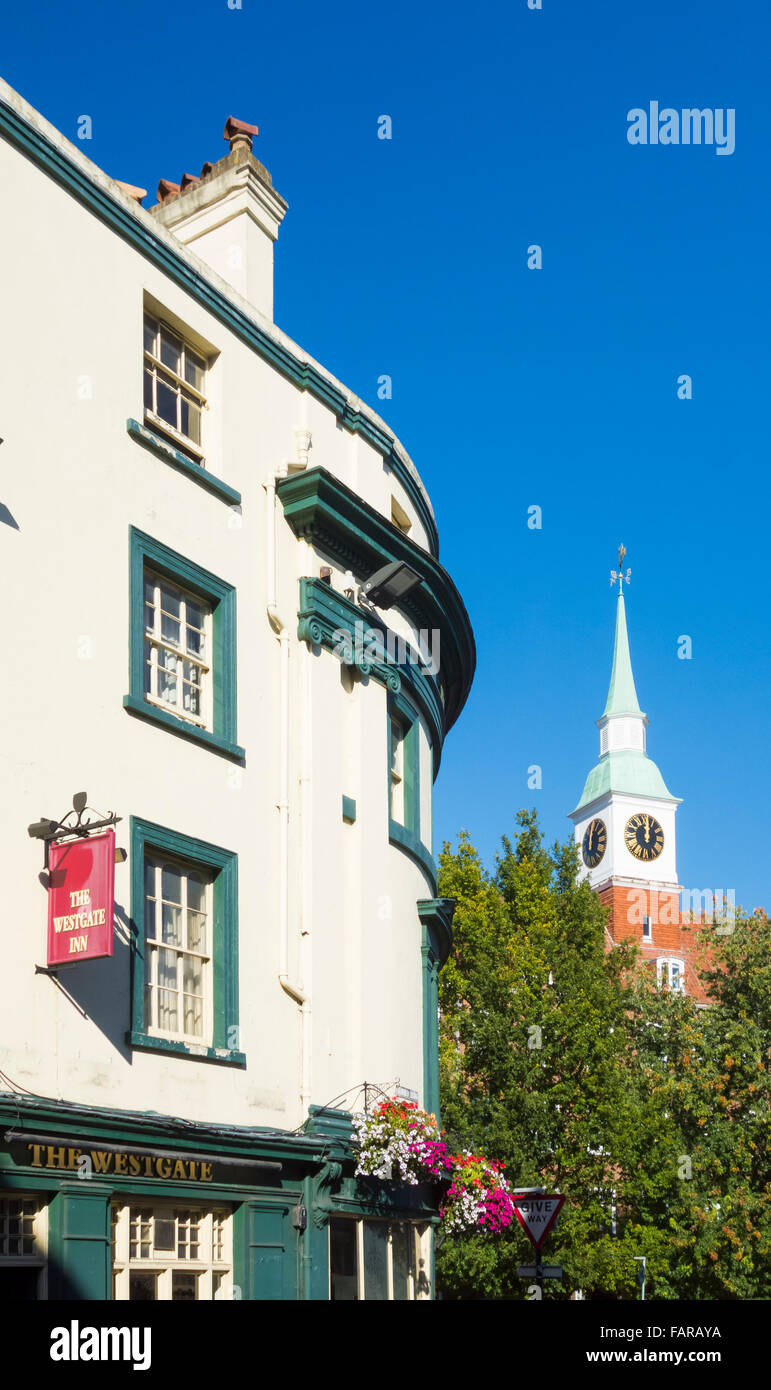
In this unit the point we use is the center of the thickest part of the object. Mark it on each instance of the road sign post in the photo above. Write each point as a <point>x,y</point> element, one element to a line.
<point>537,1212</point>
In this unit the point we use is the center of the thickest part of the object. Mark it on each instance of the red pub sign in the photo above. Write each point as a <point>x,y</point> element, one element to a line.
<point>81,893</point>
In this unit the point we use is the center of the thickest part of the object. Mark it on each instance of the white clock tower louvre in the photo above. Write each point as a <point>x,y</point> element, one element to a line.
<point>625,819</point>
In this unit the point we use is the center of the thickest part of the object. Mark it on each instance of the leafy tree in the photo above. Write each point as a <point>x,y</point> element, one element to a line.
<point>563,1061</point>
<point>708,1068</point>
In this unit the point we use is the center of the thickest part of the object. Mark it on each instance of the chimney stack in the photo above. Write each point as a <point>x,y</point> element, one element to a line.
<point>230,216</point>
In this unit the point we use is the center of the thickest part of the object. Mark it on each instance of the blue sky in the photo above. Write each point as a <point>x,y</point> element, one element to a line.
<point>514,387</point>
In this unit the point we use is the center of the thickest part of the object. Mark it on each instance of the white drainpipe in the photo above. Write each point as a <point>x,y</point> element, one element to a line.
<point>295,991</point>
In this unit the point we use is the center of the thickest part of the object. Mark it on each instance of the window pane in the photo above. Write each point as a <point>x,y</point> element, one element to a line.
<point>168,662</point>
<point>192,975</point>
<point>194,635</point>
<point>149,605</point>
<point>190,416</point>
<point>342,1261</point>
<point>171,350</point>
<point>184,1286</point>
<point>167,969</point>
<point>196,932</point>
<point>167,1010</point>
<point>166,402</point>
<point>375,1260</point>
<point>196,893</point>
<point>140,1230</point>
<point>171,884</point>
<point>150,919</point>
<point>396,746</point>
<point>167,679</point>
<point>150,328</point>
<point>194,370</point>
<point>191,697</point>
<point>148,396</point>
<point>171,926</point>
<point>193,1008</point>
<point>171,609</point>
<point>194,639</point>
<point>402,1247</point>
<point>142,1287</point>
<point>419,1236</point>
<point>165,1237</point>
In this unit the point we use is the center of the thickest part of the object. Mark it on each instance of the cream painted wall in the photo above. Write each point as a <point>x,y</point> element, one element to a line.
<point>75,481</point>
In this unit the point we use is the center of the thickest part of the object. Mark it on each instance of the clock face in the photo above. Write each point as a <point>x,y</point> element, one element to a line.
<point>594,843</point>
<point>644,837</point>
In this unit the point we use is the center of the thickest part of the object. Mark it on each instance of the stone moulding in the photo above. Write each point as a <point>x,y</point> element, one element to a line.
<point>323,511</point>
<point>176,459</point>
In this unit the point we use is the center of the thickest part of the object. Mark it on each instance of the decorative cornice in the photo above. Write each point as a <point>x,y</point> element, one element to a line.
<point>67,1120</point>
<point>330,1123</point>
<point>330,620</point>
<point>135,226</point>
<point>436,914</point>
<point>322,510</point>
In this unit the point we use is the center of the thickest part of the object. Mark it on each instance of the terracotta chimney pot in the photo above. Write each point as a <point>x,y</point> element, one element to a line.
<point>136,193</point>
<point>166,189</point>
<point>239,133</point>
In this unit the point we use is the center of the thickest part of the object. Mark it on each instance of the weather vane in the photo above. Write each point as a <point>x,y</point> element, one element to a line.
<point>619,573</point>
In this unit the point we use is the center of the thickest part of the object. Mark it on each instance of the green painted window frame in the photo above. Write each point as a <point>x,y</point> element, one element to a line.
<point>402,713</point>
<point>436,916</point>
<point>222,864</point>
<point>145,550</point>
<point>407,836</point>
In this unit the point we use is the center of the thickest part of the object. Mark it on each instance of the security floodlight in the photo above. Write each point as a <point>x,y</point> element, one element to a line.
<point>42,829</point>
<point>393,582</point>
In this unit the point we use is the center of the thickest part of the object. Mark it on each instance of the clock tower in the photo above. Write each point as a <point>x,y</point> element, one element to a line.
<point>625,819</point>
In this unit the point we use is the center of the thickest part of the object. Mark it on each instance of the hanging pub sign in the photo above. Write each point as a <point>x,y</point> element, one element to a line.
<point>81,891</point>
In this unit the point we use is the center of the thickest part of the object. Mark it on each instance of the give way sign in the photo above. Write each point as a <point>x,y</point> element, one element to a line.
<point>537,1213</point>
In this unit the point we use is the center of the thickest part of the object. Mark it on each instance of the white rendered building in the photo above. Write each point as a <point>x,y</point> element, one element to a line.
<point>190,510</point>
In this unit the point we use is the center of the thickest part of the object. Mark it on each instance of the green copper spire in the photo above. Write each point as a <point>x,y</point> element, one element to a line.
<point>622,696</point>
<point>624,767</point>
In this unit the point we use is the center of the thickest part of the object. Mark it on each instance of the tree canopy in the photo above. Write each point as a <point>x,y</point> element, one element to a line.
<point>563,1060</point>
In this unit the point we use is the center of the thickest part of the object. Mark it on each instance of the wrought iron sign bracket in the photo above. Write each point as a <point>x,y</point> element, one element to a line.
<point>51,830</point>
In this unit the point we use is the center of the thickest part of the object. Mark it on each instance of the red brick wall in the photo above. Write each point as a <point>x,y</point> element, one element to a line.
<point>671,934</point>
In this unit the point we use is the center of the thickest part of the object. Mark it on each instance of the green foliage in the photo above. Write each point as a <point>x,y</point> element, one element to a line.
<point>563,1061</point>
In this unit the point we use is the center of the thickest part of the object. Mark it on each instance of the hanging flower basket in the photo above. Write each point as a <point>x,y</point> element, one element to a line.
<point>399,1142</point>
<point>479,1197</point>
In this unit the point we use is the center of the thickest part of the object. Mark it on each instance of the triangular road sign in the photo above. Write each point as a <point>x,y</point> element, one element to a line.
<point>537,1213</point>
